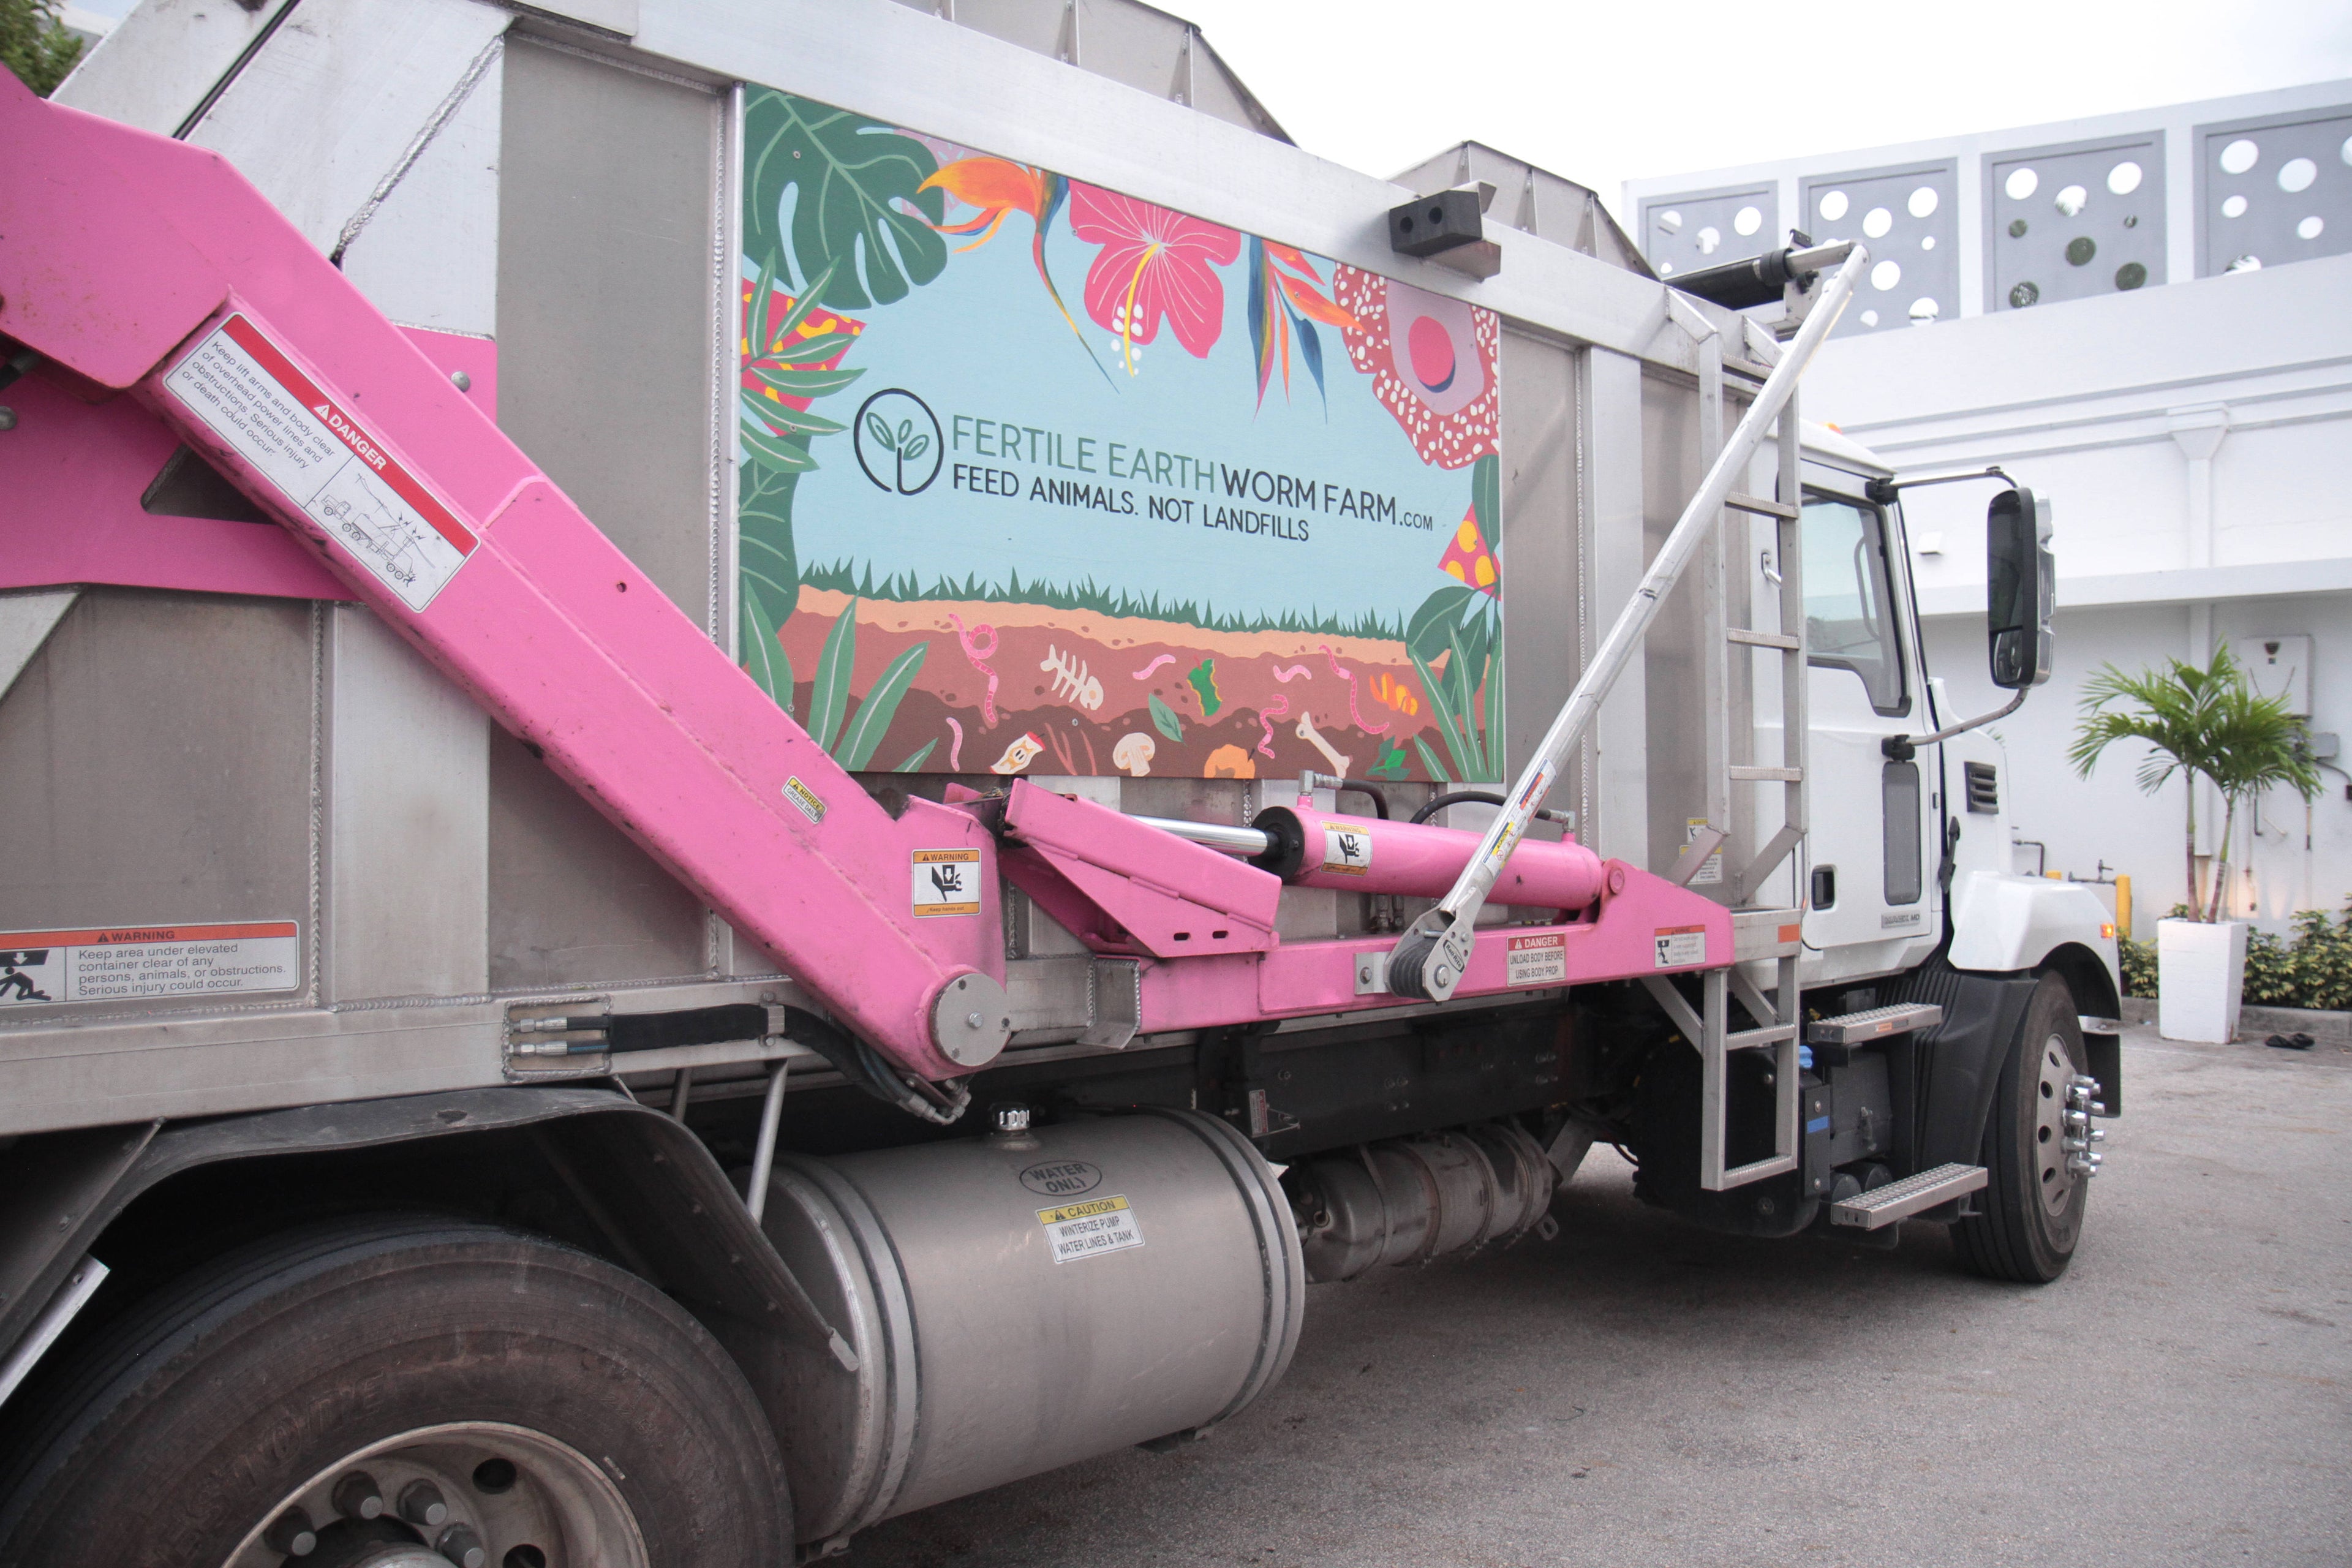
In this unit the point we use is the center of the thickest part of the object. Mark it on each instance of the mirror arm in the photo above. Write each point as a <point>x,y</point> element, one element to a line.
<point>1884,491</point>
<point>1900,748</point>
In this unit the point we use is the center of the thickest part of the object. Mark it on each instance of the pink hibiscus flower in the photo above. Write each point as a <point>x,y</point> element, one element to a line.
<point>1153,263</point>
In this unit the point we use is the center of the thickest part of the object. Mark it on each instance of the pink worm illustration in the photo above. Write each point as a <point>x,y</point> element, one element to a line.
<point>1292,673</point>
<point>955,747</point>
<point>979,655</point>
<point>1344,673</point>
<point>1145,672</point>
<point>1266,718</point>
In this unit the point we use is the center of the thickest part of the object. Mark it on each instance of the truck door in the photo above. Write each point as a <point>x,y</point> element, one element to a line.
<point>1871,883</point>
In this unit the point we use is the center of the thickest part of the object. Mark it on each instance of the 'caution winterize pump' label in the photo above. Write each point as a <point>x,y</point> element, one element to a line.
<point>1085,1229</point>
<point>243,388</point>
<point>148,963</point>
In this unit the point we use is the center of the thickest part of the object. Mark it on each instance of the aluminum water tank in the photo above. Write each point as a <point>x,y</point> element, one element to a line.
<point>1017,1304</point>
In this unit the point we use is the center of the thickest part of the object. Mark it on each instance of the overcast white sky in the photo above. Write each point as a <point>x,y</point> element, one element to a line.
<point>1607,93</point>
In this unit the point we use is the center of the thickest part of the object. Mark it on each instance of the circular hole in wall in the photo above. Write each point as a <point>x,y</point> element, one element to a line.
<point>2017,228</point>
<point>1664,267</point>
<point>1710,238</point>
<point>1671,221</point>
<point>1926,242</point>
<point>1747,220</point>
<point>1870,318</point>
<point>2021,184</point>
<point>2310,228</point>
<point>1923,202</point>
<point>2239,156</point>
<point>2024,294</point>
<point>2245,264</point>
<point>2124,178</point>
<point>2080,249</point>
<point>1876,222</point>
<point>2296,174</point>
<point>2072,200</point>
<point>1886,276</point>
<point>1833,204</point>
<point>1924,311</point>
<point>2130,274</point>
<point>2234,207</point>
<point>2345,152</point>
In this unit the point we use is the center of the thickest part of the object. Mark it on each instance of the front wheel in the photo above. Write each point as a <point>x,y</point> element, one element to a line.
<point>414,1392</point>
<point>2035,1191</point>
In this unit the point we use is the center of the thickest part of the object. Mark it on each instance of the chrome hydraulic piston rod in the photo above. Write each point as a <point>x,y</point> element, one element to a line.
<point>1427,960</point>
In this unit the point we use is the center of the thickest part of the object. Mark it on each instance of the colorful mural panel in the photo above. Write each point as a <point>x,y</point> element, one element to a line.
<point>1037,477</point>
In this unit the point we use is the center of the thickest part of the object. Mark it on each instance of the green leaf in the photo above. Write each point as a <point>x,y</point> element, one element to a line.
<point>1462,676</point>
<point>1442,709</point>
<point>808,350</point>
<point>879,428</point>
<point>798,420</point>
<point>1429,760</point>
<point>830,698</point>
<point>921,756</point>
<point>1164,719</point>
<point>917,448</point>
<point>1426,632</point>
<point>774,450</point>
<point>763,656</point>
<point>1487,497</point>
<point>762,295</point>
<point>859,208</point>
<point>879,707</point>
<point>805,382</point>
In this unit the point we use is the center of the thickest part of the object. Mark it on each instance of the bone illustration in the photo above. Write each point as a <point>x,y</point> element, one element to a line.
<point>1308,732</point>
<point>1071,683</point>
<point>1133,755</point>
<point>1024,750</point>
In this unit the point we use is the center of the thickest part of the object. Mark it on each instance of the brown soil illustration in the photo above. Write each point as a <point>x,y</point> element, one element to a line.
<point>1074,692</point>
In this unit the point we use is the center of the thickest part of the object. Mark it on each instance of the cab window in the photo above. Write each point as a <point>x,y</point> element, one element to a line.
<point>1849,614</point>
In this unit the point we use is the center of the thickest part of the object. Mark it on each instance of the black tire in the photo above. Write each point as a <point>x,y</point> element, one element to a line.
<point>2032,1208</point>
<point>176,1430</point>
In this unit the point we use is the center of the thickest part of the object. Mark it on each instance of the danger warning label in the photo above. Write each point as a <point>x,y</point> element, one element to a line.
<point>244,388</point>
<point>1537,960</point>
<point>132,963</point>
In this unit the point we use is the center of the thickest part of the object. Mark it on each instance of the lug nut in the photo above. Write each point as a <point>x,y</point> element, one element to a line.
<point>460,1545</point>
<point>420,1503</point>
<point>290,1533</point>
<point>358,1497</point>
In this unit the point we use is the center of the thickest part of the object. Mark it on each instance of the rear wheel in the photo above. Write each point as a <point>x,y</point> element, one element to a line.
<point>2035,1192</point>
<point>406,1393</point>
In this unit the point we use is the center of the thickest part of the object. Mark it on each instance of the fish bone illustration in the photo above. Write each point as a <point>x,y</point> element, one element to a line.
<point>1071,681</point>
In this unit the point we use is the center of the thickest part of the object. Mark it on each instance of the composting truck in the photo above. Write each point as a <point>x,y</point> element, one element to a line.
<point>761,760</point>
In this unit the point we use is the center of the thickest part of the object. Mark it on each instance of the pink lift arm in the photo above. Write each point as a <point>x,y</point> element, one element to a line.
<point>142,264</point>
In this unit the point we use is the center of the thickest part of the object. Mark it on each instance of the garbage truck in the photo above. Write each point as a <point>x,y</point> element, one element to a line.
<point>761,762</point>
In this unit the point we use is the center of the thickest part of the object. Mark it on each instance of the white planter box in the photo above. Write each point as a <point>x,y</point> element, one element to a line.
<point>2200,974</point>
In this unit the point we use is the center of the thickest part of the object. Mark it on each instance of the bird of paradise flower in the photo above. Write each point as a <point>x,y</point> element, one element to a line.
<point>999,188</point>
<point>1286,292</point>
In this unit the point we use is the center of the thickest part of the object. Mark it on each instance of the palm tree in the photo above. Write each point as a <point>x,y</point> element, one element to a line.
<point>2206,723</point>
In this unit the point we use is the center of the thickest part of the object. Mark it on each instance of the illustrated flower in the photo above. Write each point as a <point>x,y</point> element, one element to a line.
<point>1468,561</point>
<point>1285,292</point>
<point>999,188</point>
<point>1432,359</point>
<point>1153,263</point>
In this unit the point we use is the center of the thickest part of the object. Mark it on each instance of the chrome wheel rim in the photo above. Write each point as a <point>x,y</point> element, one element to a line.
<point>2053,1171</point>
<point>467,1494</point>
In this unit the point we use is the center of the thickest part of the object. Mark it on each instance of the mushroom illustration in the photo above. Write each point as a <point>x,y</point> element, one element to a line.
<point>1133,754</point>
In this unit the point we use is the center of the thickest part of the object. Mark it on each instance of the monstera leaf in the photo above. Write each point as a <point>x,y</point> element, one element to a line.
<point>854,185</point>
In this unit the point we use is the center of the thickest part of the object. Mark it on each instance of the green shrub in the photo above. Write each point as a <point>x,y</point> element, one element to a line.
<point>35,44</point>
<point>2313,969</point>
<point>2138,962</point>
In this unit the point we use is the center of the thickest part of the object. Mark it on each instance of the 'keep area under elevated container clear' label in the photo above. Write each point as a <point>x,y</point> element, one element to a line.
<point>148,963</point>
<point>1084,1229</point>
<point>242,387</point>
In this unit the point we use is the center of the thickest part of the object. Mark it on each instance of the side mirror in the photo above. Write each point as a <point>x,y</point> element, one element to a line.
<point>2020,589</point>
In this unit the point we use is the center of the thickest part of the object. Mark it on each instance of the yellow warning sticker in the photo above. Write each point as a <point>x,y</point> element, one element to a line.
<point>811,804</point>
<point>1084,1229</point>
<point>947,882</point>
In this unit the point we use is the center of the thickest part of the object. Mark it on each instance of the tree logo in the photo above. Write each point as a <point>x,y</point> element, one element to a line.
<point>898,443</point>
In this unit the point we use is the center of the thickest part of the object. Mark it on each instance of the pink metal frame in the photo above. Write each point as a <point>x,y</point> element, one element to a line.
<point>125,252</point>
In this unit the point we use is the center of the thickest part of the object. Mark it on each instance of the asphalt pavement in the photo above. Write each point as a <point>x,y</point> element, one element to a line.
<point>1642,1392</point>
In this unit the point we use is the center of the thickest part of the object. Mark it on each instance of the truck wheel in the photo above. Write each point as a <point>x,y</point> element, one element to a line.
<point>410,1392</point>
<point>2032,1202</point>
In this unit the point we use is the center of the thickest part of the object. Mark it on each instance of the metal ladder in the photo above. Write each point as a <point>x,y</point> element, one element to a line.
<point>1779,1023</point>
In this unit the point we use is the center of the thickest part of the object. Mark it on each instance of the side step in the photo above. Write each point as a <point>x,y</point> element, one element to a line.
<point>1872,1024</point>
<point>1900,1200</point>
